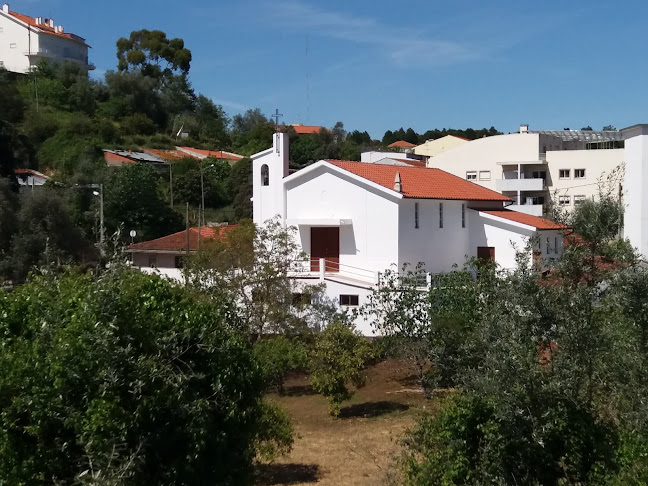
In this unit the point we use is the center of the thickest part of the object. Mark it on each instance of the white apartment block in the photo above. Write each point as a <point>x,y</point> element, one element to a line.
<point>532,167</point>
<point>25,41</point>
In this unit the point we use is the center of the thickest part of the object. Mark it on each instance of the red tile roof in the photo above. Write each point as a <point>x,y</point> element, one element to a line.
<point>177,242</point>
<point>30,172</point>
<point>215,154</point>
<point>421,183</point>
<point>168,154</point>
<point>114,159</point>
<point>535,221</point>
<point>306,129</point>
<point>401,144</point>
<point>45,28</point>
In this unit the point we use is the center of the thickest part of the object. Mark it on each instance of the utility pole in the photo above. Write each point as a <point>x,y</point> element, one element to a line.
<point>202,189</point>
<point>199,227</point>
<point>171,182</point>
<point>187,223</point>
<point>101,218</point>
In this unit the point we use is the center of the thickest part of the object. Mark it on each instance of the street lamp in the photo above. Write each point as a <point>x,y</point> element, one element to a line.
<point>101,209</point>
<point>133,233</point>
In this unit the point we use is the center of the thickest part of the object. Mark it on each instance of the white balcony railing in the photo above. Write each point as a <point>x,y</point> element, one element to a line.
<point>507,184</point>
<point>532,209</point>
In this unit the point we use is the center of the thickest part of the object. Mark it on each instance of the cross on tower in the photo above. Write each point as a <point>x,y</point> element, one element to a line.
<point>276,116</point>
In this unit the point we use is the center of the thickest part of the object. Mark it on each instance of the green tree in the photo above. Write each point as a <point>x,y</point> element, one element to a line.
<point>129,380</point>
<point>153,54</point>
<point>132,200</point>
<point>279,356</point>
<point>240,188</point>
<point>46,235</point>
<point>550,395</point>
<point>254,266</point>
<point>338,360</point>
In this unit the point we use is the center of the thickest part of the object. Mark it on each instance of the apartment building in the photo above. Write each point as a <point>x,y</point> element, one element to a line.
<point>534,167</point>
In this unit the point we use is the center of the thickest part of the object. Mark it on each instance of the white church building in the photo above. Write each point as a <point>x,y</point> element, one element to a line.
<point>358,219</point>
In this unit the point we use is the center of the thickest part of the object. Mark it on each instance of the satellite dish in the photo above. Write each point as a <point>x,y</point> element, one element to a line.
<point>133,233</point>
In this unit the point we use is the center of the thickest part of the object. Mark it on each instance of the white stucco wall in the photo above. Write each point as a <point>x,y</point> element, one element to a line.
<point>485,153</point>
<point>371,241</point>
<point>51,47</point>
<point>268,201</point>
<point>595,162</point>
<point>13,33</point>
<point>636,188</point>
<point>437,248</point>
<point>162,260</point>
<point>432,148</point>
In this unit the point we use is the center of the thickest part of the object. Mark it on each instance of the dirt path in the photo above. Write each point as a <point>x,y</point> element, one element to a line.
<point>358,447</point>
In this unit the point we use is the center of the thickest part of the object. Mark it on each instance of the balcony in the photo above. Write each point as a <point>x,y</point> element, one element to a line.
<point>532,209</point>
<point>510,182</point>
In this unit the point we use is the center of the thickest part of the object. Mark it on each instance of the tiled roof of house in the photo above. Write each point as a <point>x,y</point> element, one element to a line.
<point>529,220</point>
<point>30,172</point>
<point>45,28</point>
<point>421,183</point>
<point>305,129</point>
<point>168,154</point>
<point>214,154</point>
<point>401,144</point>
<point>112,158</point>
<point>177,242</point>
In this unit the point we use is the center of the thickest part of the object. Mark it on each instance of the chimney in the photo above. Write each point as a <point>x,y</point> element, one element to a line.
<point>5,8</point>
<point>398,186</point>
<point>60,29</point>
<point>49,22</point>
<point>524,128</point>
<point>39,20</point>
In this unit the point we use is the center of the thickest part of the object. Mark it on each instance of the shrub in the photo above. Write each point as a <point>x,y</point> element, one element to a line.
<point>279,356</point>
<point>477,440</point>
<point>127,371</point>
<point>339,357</point>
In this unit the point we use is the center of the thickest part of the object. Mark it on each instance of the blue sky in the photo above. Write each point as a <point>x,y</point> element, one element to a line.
<point>378,65</point>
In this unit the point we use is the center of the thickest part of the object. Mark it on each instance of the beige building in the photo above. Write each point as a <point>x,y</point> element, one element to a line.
<point>533,167</point>
<point>432,148</point>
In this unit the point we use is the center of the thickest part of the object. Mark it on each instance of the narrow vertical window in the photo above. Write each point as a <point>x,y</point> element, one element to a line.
<point>265,175</point>
<point>416,215</point>
<point>440,215</point>
<point>548,246</point>
<point>556,245</point>
<point>463,215</point>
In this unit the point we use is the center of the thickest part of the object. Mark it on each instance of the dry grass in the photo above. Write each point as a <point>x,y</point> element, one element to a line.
<point>356,448</point>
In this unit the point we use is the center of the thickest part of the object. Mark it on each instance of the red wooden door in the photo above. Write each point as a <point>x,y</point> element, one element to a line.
<point>486,253</point>
<point>325,243</point>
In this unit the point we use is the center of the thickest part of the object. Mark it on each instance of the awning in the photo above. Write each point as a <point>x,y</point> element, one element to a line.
<point>318,222</point>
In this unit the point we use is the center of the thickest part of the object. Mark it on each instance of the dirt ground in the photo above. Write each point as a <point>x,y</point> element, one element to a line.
<point>357,448</point>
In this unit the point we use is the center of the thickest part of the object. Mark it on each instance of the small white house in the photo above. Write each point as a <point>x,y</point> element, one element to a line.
<point>25,41</point>
<point>357,219</point>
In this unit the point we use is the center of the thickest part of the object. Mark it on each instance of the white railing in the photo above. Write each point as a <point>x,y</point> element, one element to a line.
<point>329,268</point>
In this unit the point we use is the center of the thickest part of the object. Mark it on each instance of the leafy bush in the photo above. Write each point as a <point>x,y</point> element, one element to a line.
<point>128,374</point>
<point>279,356</point>
<point>339,357</point>
<point>476,440</point>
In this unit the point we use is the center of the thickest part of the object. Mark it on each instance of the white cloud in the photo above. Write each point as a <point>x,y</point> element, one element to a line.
<point>404,46</point>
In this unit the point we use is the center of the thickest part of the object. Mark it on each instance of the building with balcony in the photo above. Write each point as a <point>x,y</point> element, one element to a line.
<point>357,219</point>
<point>25,41</point>
<point>534,167</point>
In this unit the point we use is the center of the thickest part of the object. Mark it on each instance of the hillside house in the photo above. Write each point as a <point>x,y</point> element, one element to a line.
<point>166,255</point>
<point>25,41</point>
